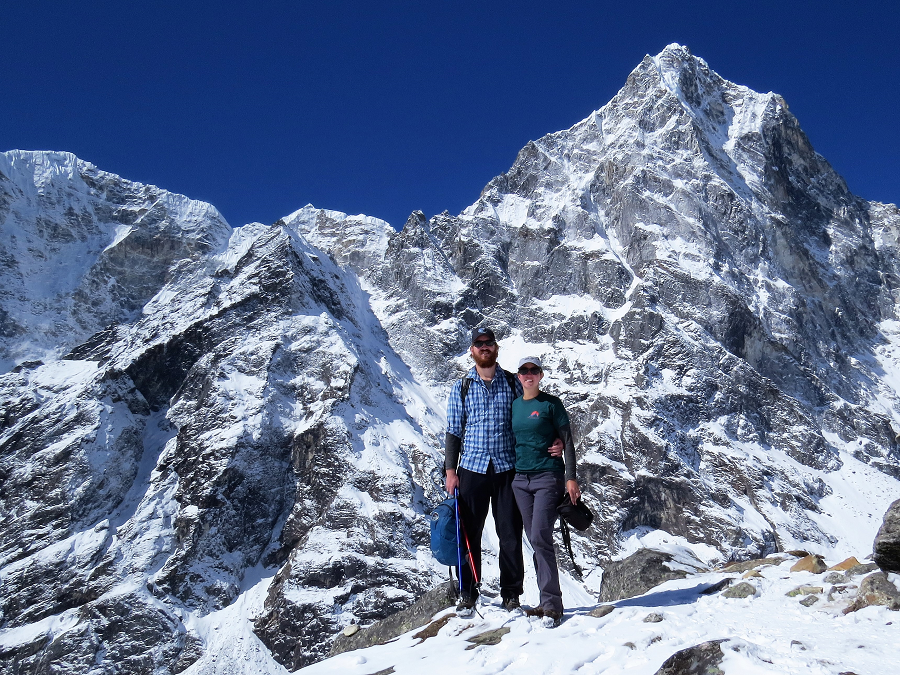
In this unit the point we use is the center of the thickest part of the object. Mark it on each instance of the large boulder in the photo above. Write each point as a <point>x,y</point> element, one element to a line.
<point>702,659</point>
<point>416,615</point>
<point>876,589</point>
<point>887,541</point>
<point>638,573</point>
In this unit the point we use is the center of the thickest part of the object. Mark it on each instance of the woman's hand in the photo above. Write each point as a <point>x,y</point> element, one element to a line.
<point>572,489</point>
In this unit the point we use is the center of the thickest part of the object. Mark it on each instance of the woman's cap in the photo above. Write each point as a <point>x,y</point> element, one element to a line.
<point>531,359</point>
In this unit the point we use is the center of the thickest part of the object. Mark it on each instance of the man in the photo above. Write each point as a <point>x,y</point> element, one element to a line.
<point>480,430</point>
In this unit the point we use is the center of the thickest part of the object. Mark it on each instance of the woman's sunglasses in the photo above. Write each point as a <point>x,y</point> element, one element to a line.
<point>524,370</point>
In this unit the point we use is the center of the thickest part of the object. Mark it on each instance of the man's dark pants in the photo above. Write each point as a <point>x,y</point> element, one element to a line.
<point>477,492</point>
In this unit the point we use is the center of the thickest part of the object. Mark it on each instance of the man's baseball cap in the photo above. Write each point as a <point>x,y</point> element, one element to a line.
<point>483,332</point>
<point>531,359</point>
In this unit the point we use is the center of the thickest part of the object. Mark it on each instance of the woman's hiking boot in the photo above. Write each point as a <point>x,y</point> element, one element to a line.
<point>551,619</point>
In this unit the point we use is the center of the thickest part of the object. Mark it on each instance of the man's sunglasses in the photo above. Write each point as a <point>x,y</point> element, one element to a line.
<point>484,343</point>
<point>524,370</point>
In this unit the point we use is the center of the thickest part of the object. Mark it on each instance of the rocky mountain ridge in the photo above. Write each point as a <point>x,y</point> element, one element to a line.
<point>257,412</point>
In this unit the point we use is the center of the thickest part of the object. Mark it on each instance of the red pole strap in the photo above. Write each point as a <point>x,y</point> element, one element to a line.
<point>469,555</point>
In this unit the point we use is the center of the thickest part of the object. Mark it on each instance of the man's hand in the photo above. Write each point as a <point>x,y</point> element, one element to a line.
<point>573,490</point>
<point>452,481</point>
<point>556,449</point>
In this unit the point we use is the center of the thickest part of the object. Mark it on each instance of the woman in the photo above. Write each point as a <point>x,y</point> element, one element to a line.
<point>537,419</point>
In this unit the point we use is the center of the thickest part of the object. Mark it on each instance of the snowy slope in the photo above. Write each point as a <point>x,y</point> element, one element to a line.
<point>81,249</point>
<point>767,633</point>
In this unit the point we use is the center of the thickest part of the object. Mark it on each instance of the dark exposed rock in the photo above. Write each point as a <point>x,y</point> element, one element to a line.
<point>741,590</point>
<point>431,630</point>
<point>190,653</point>
<point>417,614</point>
<point>702,659</point>
<point>865,568</point>
<point>637,574</point>
<point>876,589</point>
<point>887,541</point>
<point>747,565</point>
<point>490,637</point>
<point>718,586</point>
<point>115,635</point>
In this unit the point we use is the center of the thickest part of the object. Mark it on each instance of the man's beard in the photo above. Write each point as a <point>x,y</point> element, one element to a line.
<point>483,360</point>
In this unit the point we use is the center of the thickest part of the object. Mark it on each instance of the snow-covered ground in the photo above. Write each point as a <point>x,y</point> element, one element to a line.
<point>768,633</point>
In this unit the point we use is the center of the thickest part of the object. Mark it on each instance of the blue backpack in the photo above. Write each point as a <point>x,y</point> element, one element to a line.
<point>444,544</point>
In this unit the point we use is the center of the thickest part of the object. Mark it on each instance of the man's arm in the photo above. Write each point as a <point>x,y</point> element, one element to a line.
<point>453,437</point>
<point>452,448</point>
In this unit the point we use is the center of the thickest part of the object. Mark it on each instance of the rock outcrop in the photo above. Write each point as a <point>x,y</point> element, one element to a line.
<point>416,615</point>
<point>639,572</point>
<point>886,548</point>
<point>876,589</point>
<point>702,659</point>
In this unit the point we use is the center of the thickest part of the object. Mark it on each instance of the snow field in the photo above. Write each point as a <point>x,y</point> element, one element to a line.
<point>768,633</point>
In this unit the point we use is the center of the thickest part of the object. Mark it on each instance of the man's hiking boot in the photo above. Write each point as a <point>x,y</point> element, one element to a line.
<point>551,618</point>
<point>466,607</point>
<point>511,604</point>
<point>534,611</point>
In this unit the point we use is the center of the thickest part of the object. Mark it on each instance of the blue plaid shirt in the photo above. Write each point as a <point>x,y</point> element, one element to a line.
<point>489,435</point>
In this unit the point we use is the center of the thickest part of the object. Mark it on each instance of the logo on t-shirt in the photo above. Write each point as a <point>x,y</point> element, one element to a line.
<point>535,413</point>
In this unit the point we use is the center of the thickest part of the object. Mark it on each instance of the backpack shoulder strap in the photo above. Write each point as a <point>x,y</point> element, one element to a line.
<point>510,380</point>
<point>463,390</point>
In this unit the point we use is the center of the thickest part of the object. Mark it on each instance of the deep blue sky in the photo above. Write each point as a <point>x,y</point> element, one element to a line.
<point>387,107</point>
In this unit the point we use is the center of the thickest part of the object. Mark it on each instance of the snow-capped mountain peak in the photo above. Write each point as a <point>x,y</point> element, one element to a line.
<point>220,446</point>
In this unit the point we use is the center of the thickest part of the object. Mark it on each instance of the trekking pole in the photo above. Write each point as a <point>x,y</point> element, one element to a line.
<point>469,555</point>
<point>458,544</point>
<point>471,560</point>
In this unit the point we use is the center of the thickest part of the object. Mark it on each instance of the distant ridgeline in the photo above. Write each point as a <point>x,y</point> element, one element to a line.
<point>209,428</point>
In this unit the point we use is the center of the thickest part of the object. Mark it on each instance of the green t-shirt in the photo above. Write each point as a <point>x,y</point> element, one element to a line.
<point>535,423</point>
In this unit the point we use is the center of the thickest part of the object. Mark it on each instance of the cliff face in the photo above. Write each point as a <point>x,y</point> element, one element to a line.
<point>247,423</point>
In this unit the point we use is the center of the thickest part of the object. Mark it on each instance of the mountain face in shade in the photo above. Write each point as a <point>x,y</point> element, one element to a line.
<point>220,446</point>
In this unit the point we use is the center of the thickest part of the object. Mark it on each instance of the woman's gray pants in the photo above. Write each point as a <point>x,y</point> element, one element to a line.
<point>537,496</point>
